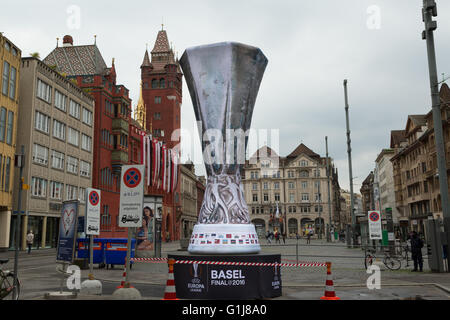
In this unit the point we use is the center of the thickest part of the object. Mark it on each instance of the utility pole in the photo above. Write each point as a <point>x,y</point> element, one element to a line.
<point>319,207</point>
<point>20,162</point>
<point>428,12</point>
<point>329,235</point>
<point>349,151</point>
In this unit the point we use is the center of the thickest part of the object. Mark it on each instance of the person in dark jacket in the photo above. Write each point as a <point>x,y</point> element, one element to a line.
<point>416,251</point>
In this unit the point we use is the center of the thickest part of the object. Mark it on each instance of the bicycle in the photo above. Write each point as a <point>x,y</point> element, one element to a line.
<point>391,262</point>
<point>7,284</point>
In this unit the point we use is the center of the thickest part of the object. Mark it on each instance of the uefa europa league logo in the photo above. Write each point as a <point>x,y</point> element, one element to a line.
<point>223,81</point>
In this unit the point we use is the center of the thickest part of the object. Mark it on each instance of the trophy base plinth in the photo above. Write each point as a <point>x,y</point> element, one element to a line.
<point>223,281</point>
<point>224,239</point>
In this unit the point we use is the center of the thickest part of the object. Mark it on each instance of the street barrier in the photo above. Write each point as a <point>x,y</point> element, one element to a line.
<point>116,251</point>
<point>83,250</point>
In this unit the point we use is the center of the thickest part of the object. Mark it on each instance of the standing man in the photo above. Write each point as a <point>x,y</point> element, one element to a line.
<point>30,239</point>
<point>416,251</point>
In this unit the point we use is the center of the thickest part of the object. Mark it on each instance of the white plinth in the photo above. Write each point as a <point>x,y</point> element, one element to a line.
<point>126,294</point>
<point>91,287</point>
<point>224,239</point>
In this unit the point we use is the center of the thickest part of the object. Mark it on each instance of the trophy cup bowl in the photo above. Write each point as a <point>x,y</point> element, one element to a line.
<point>223,81</point>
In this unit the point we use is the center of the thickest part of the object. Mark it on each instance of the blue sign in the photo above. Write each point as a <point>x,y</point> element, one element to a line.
<point>67,234</point>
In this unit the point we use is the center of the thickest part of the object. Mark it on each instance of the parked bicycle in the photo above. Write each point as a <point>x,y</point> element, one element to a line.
<point>7,284</point>
<point>391,262</point>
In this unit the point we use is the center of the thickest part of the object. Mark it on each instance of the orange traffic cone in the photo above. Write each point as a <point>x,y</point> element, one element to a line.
<point>329,286</point>
<point>170,292</point>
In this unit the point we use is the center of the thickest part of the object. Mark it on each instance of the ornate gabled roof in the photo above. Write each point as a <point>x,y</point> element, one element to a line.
<point>146,62</point>
<point>265,152</point>
<point>161,43</point>
<point>303,149</point>
<point>162,54</point>
<point>397,137</point>
<point>77,60</point>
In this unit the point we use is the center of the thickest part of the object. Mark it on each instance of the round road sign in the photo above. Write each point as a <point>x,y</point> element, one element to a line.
<point>132,178</point>
<point>94,198</point>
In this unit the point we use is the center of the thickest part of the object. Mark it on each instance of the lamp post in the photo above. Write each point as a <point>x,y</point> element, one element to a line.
<point>428,12</point>
<point>349,151</point>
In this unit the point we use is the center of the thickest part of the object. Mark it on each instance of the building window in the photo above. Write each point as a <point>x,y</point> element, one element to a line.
<point>266,185</point>
<point>60,101</point>
<point>71,192</point>
<point>12,83</point>
<point>290,185</point>
<point>305,197</point>
<point>59,130</point>
<point>162,83</point>
<point>73,136</point>
<point>154,84</point>
<point>9,129</point>
<point>38,187</point>
<point>2,124</point>
<point>255,186</point>
<point>255,198</point>
<point>72,165</point>
<point>317,173</point>
<point>86,142</point>
<point>82,195</point>
<point>40,154</point>
<point>157,100</point>
<point>57,160</point>
<point>276,185</point>
<point>44,91</point>
<point>304,174</point>
<point>290,174</point>
<point>318,197</point>
<point>41,122</point>
<point>277,197</point>
<point>291,197</point>
<point>74,109</point>
<point>85,169</point>
<point>157,116</point>
<point>266,197</point>
<point>303,163</point>
<point>56,190</point>
<point>5,78</point>
<point>87,117</point>
<point>304,184</point>
<point>317,185</point>
<point>7,174</point>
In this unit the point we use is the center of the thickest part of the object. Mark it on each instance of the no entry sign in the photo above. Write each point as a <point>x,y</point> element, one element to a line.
<point>374,219</point>
<point>93,211</point>
<point>131,196</point>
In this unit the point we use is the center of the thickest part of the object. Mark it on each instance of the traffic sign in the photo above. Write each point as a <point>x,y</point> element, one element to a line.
<point>374,219</point>
<point>93,211</point>
<point>131,196</point>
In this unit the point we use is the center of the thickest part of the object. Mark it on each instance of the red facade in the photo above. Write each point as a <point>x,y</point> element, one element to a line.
<point>113,136</point>
<point>162,93</point>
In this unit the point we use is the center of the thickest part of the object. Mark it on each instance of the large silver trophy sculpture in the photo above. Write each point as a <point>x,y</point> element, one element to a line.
<point>223,81</point>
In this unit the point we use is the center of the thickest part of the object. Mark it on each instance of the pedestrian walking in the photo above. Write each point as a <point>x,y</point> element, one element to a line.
<point>284,238</point>
<point>416,251</point>
<point>269,241</point>
<point>30,239</point>
<point>308,236</point>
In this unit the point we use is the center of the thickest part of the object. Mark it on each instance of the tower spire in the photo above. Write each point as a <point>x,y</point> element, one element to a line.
<point>140,112</point>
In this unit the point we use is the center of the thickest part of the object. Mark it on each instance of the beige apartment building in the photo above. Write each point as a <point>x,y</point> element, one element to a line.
<point>56,128</point>
<point>296,185</point>
<point>9,112</point>
<point>417,193</point>
<point>188,192</point>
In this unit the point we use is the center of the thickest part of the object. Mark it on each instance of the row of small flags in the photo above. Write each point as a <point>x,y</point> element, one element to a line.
<point>161,164</point>
<point>224,239</point>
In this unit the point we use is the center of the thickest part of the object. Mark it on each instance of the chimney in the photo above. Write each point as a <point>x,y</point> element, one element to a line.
<point>67,41</point>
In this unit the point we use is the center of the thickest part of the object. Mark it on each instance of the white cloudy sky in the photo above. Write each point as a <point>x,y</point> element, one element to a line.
<point>312,46</point>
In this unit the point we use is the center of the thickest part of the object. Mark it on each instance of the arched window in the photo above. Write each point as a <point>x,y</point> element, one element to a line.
<point>155,84</point>
<point>162,83</point>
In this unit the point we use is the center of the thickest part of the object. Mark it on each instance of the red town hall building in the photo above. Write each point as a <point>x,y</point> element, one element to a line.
<point>161,78</point>
<point>116,136</point>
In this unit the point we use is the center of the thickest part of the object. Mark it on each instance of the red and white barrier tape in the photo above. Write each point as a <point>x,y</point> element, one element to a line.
<point>230,263</point>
